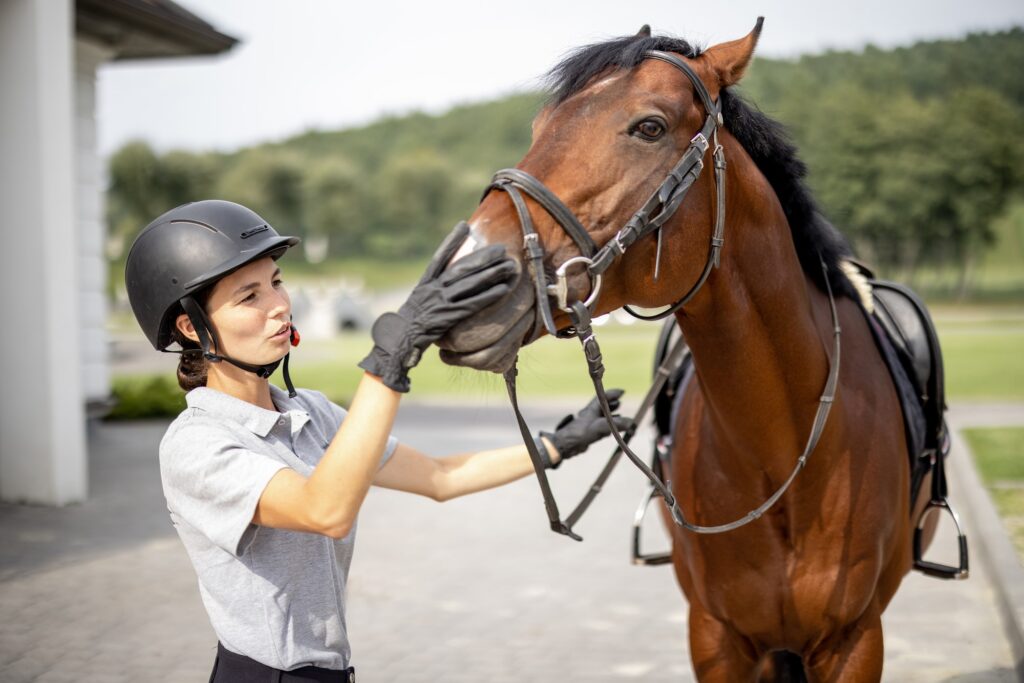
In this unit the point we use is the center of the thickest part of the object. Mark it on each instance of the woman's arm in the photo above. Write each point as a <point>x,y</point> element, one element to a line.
<point>445,478</point>
<point>328,501</point>
<point>456,475</point>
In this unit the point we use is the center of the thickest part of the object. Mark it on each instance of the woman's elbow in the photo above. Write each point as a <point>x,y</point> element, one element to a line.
<point>445,485</point>
<point>337,532</point>
<point>335,529</point>
<point>330,523</point>
<point>440,495</point>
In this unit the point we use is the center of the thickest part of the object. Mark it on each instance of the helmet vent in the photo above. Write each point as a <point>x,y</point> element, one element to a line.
<point>254,231</point>
<point>174,280</point>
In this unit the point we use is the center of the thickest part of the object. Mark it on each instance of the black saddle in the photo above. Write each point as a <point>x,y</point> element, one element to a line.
<point>905,336</point>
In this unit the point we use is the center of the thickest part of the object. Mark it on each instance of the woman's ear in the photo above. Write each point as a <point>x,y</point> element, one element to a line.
<point>730,60</point>
<point>184,325</point>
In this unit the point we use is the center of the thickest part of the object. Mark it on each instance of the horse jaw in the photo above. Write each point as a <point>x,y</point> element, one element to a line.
<point>491,339</point>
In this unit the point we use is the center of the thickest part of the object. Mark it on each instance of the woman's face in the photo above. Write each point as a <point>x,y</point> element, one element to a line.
<point>251,312</point>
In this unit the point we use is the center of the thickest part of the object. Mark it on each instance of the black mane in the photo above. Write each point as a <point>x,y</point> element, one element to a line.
<point>764,139</point>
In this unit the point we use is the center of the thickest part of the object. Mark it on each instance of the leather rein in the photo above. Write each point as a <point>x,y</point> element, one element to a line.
<point>655,212</point>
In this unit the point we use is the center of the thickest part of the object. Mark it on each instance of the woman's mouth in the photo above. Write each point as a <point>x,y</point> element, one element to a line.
<point>283,333</point>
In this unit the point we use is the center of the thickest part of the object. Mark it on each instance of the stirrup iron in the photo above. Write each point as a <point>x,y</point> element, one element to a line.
<point>937,569</point>
<point>639,557</point>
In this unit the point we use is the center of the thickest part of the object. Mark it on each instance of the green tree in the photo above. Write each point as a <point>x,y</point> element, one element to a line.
<point>335,197</point>
<point>144,185</point>
<point>413,196</point>
<point>133,196</point>
<point>268,181</point>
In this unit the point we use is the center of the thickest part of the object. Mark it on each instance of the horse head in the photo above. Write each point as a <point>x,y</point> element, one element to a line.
<point>616,124</point>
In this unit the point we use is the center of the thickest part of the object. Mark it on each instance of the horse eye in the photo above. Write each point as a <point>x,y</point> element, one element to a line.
<point>650,129</point>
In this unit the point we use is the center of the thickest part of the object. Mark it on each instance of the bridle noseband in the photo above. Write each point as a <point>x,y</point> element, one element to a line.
<point>655,212</point>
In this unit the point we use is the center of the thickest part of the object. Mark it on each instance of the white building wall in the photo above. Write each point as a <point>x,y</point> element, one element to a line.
<point>42,424</point>
<point>90,186</point>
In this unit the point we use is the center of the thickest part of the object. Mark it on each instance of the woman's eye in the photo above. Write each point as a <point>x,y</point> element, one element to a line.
<point>278,283</point>
<point>650,129</point>
<point>251,297</point>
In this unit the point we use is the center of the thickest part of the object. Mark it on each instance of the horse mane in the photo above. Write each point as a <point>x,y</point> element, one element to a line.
<point>765,140</point>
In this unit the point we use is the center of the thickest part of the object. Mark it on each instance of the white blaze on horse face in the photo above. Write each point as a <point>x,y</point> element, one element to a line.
<point>471,244</point>
<point>603,83</point>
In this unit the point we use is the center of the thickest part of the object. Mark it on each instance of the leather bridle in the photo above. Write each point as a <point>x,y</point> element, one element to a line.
<point>655,212</point>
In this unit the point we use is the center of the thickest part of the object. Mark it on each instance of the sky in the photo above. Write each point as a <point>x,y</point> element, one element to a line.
<point>329,64</point>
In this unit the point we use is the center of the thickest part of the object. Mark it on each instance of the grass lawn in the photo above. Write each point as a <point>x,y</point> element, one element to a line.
<point>999,454</point>
<point>981,346</point>
<point>982,353</point>
<point>549,368</point>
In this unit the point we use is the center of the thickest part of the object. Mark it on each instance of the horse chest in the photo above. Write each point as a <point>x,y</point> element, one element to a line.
<point>767,589</point>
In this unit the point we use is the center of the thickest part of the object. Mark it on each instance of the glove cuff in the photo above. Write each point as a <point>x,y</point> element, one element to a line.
<point>380,363</point>
<point>542,448</point>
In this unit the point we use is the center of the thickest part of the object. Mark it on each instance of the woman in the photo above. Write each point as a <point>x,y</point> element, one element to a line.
<point>263,486</point>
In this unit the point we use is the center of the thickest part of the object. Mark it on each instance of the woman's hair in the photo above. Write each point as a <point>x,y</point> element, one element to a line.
<point>192,365</point>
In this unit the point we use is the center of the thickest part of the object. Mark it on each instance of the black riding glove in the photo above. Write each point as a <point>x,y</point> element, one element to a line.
<point>441,299</point>
<point>575,433</point>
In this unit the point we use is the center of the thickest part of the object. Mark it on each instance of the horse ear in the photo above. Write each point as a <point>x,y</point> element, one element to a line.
<point>730,60</point>
<point>644,32</point>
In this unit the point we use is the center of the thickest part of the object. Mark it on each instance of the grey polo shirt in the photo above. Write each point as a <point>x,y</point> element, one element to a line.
<point>274,595</point>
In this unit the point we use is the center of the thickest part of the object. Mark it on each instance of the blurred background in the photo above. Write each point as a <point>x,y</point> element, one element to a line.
<point>369,129</point>
<point>371,138</point>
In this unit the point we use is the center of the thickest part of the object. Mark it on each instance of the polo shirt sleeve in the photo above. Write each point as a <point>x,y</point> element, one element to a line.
<point>212,482</point>
<point>336,415</point>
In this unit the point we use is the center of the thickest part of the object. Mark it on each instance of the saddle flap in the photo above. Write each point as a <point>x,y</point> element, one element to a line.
<point>903,323</point>
<point>907,324</point>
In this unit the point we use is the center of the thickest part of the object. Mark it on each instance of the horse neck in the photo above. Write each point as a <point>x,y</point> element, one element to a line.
<point>758,333</point>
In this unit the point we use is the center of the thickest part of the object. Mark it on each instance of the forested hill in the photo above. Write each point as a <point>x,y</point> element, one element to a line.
<point>914,152</point>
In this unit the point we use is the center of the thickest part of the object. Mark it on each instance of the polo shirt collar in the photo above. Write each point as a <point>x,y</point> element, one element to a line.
<point>257,420</point>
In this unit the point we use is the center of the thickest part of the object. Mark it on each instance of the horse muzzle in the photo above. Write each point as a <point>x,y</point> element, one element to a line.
<point>491,339</point>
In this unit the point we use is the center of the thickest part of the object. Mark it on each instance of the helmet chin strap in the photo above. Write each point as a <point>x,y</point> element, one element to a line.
<point>205,332</point>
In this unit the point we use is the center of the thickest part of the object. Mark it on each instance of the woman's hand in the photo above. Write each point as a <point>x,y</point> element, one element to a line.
<point>575,433</point>
<point>440,300</point>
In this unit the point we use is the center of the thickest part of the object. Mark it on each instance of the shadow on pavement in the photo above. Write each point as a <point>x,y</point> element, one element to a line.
<point>997,674</point>
<point>125,505</point>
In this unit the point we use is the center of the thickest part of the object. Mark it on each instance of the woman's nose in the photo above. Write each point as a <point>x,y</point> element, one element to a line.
<point>282,304</point>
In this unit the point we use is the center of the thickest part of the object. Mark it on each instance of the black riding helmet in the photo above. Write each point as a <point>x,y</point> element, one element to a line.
<point>186,250</point>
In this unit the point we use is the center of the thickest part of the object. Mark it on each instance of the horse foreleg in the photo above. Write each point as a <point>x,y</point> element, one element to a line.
<point>718,653</point>
<point>854,657</point>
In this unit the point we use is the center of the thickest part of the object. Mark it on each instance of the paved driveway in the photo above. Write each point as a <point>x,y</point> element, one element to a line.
<point>474,590</point>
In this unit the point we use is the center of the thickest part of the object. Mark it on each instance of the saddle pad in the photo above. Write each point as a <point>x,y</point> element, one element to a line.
<point>914,422</point>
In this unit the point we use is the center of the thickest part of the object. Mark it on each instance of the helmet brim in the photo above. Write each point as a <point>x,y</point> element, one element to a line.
<point>274,248</point>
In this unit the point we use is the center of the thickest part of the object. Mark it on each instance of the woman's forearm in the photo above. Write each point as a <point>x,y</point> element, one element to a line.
<point>472,472</point>
<point>338,485</point>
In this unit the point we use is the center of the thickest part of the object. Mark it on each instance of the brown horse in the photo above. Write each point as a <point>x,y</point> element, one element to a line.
<point>801,589</point>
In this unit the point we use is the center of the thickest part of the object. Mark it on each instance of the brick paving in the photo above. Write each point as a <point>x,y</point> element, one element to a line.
<point>475,589</point>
